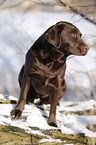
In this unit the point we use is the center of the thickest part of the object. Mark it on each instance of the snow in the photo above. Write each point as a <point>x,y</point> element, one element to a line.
<point>35,116</point>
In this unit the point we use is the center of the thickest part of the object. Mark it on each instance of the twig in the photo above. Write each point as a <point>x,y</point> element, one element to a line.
<point>90,5</point>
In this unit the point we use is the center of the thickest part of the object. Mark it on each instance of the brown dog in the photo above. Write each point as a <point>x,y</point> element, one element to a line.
<point>43,72</point>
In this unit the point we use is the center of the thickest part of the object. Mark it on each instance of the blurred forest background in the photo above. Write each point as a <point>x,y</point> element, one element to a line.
<point>15,40</point>
<point>87,7</point>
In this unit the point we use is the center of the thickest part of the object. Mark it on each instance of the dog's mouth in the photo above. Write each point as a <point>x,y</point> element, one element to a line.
<point>79,53</point>
<point>82,50</point>
<point>83,53</point>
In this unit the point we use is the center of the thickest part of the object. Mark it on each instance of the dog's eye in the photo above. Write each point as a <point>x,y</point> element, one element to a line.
<point>74,35</point>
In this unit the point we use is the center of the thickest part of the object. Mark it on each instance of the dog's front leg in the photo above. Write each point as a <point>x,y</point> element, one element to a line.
<point>52,115</point>
<point>17,111</point>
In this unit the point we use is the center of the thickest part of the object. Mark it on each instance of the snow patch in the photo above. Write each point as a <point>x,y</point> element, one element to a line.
<point>35,116</point>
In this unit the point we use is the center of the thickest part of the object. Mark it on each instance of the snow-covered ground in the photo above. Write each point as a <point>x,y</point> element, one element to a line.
<point>36,116</point>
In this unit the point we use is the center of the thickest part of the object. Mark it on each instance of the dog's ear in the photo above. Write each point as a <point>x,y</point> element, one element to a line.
<point>53,36</point>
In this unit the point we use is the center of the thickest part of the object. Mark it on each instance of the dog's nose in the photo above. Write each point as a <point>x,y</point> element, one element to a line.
<point>86,48</point>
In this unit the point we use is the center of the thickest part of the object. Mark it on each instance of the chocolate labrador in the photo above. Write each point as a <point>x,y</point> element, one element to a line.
<point>42,75</point>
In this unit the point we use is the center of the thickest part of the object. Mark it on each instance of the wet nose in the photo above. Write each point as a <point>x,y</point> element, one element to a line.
<point>86,48</point>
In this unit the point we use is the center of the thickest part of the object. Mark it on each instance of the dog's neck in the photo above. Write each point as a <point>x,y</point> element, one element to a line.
<point>49,58</point>
<point>50,61</point>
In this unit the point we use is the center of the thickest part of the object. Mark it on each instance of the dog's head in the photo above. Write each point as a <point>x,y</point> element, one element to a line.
<point>67,38</point>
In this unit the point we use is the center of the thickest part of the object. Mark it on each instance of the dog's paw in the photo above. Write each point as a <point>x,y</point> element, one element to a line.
<point>16,114</point>
<point>52,122</point>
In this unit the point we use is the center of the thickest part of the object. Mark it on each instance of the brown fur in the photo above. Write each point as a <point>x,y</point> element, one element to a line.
<point>42,75</point>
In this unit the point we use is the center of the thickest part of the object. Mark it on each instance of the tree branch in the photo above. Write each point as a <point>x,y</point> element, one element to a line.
<point>65,4</point>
